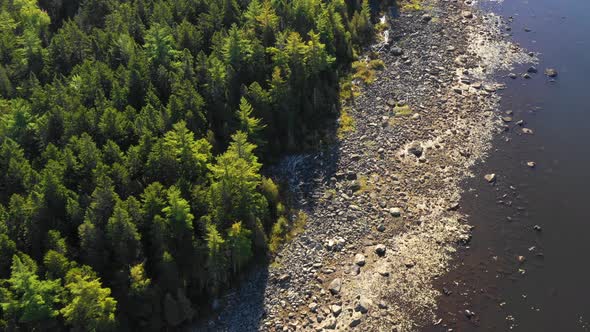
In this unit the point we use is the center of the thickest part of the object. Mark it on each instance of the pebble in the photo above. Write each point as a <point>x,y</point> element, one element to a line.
<point>396,212</point>
<point>313,307</point>
<point>551,72</point>
<point>467,14</point>
<point>380,250</point>
<point>527,131</point>
<point>336,309</point>
<point>531,164</point>
<point>416,149</point>
<point>359,259</point>
<point>335,286</point>
<point>537,228</point>
<point>363,305</point>
<point>490,177</point>
<point>396,51</point>
<point>356,319</point>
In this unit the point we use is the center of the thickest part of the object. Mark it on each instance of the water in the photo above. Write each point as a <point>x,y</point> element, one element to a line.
<point>550,291</point>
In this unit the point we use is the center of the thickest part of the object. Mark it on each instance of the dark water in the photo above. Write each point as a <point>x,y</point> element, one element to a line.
<point>550,291</point>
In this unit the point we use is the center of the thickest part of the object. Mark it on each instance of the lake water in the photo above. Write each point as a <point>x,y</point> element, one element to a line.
<point>550,290</point>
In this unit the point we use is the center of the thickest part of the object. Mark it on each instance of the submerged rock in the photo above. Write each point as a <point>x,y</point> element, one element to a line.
<point>551,72</point>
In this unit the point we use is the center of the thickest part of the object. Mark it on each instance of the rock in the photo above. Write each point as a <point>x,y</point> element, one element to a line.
<point>469,313</point>
<point>467,14</point>
<point>490,177</point>
<point>380,250</point>
<point>521,259</point>
<point>330,323</point>
<point>520,123</point>
<point>409,264</point>
<point>537,228</point>
<point>355,270</point>
<point>336,309</point>
<point>396,51</point>
<point>416,149</point>
<point>382,305</point>
<point>284,278</point>
<point>381,228</point>
<point>512,76</point>
<point>527,131</point>
<point>531,164</point>
<point>359,259</point>
<point>313,307</point>
<point>532,70</point>
<point>356,319</point>
<point>383,272</point>
<point>526,76</point>
<point>363,305</point>
<point>551,72</point>
<point>507,119</point>
<point>354,185</point>
<point>395,212</point>
<point>335,286</point>
<point>426,17</point>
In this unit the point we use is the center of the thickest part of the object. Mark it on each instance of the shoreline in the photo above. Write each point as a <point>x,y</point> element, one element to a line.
<point>390,190</point>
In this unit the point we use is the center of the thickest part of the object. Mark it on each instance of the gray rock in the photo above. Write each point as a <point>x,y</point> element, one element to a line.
<point>416,149</point>
<point>532,70</point>
<point>330,323</point>
<point>381,228</point>
<point>426,17</point>
<point>354,185</point>
<point>380,250</point>
<point>531,164</point>
<point>356,319</point>
<point>359,259</point>
<point>336,309</point>
<point>467,14</point>
<point>551,72</point>
<point>396,51</point>
<point>335,286</point>
<point>527,131</point>
<point>313,307</point>
<point>490,177</point>
<point>396,212</point>
<point>363,305</point>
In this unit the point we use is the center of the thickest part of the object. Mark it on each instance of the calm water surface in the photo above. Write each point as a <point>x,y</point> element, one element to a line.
<point>550,291</point>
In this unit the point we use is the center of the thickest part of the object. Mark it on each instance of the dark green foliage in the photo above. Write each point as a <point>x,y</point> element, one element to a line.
<point>132,136</point>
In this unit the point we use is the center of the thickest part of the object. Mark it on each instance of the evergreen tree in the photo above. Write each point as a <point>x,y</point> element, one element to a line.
<point>90,306</point>
<point>29,302</point>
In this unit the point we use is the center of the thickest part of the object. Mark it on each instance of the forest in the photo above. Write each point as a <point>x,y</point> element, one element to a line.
<point>133,135</point>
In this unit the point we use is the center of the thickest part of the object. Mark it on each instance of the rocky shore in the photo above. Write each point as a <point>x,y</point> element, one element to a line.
<point>382,204</point>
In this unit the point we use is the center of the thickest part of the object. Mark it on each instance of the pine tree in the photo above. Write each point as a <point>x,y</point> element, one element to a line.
<point>28,301</point>
<point>90,306</point>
